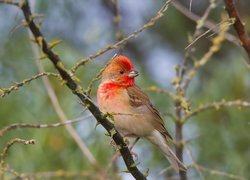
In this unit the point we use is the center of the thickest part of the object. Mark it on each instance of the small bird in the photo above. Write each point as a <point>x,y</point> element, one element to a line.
<point>132,111</point>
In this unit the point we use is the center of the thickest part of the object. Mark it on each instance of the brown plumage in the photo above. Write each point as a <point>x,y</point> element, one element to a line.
<point>134,113</point>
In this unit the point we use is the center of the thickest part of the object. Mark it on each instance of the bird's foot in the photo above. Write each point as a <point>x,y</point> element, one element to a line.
<point>112,142</point>
<point>117,155</point>
<point>135,155</point>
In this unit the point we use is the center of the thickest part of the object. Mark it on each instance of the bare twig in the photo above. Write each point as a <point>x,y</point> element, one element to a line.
<point>151,22</point>
<point>220,173</point>
<point>6,168</point>
<point>238,26</point>
<point>16,86</point>
<point>189,152</point>
<point>217,106</point>
<point>9,144</point>
<point>61,174</point>
<point>160,90</point>
<point>113,6</point>
<point>11,2</point>
<point>25,125</point>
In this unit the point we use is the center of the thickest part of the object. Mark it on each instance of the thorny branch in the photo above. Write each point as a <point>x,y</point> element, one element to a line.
<point>217,106</point>
<point>9,144</point>
<point>16,86</point>
<point>150,23</point>
<point>62,174</point>
<point>52,125</point>
<point>78,90</point>
<point>219,173</point>
<point>238,26</point>
<point>11,171</point>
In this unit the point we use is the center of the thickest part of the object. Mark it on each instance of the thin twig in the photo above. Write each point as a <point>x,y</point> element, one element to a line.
<point>220,173</point>
<point>160,90</point>
<point>62,174</point>
<point>53,125</point>
<point>17,85</point>
<point>217,106</point>
<point>189,152</point>
<point>8,146</point>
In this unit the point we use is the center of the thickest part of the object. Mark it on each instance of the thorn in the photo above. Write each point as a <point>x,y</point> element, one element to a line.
<point>96,124</point>
<point>54,43</point>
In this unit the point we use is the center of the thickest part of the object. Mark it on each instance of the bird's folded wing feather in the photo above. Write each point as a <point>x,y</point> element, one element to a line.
<point>138,98</point>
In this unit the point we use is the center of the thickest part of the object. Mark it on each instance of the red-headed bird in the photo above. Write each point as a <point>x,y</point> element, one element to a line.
<point>133,112</point>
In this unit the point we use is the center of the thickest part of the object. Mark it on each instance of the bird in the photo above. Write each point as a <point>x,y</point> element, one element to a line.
<point>133,113</point>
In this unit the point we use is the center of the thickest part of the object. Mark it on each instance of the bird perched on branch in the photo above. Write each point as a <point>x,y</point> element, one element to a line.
<point>132,111</point>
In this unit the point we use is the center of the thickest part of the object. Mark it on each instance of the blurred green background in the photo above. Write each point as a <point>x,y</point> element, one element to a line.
<point>221,138</point>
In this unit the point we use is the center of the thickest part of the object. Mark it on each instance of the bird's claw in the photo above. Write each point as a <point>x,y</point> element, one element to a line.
<point>135,155</point>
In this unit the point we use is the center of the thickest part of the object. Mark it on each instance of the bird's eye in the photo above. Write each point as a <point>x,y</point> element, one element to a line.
<point>121,72</point>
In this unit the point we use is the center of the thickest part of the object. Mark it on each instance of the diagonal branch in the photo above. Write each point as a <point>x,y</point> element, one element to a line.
<point>238,26</point>
<point>78,91</point>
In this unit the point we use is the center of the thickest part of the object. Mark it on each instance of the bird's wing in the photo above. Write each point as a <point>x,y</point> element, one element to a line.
<point>137,99</point>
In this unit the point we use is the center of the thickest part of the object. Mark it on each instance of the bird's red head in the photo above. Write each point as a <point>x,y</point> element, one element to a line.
<point>120,72</point>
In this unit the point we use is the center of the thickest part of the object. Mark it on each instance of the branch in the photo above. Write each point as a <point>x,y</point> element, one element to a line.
<point>62,174</point>
<point>150,23</point>
<point>5,91</point>
<point>219,173</point>
<point>78,91</point>
<point>24,125</point>
<point>189,153</point>
<point>11,171</point>
<point>113,7</point>
<point>9,144</point>
<point>217,106</point>
<point>162,91</point>
<point>238,26</point>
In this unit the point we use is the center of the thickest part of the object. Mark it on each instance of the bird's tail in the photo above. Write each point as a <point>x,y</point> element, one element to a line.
<point>160,141</point>
<point>174,161</point>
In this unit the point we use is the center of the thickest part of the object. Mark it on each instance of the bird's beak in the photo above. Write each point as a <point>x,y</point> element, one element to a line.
<point>133,74</point>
